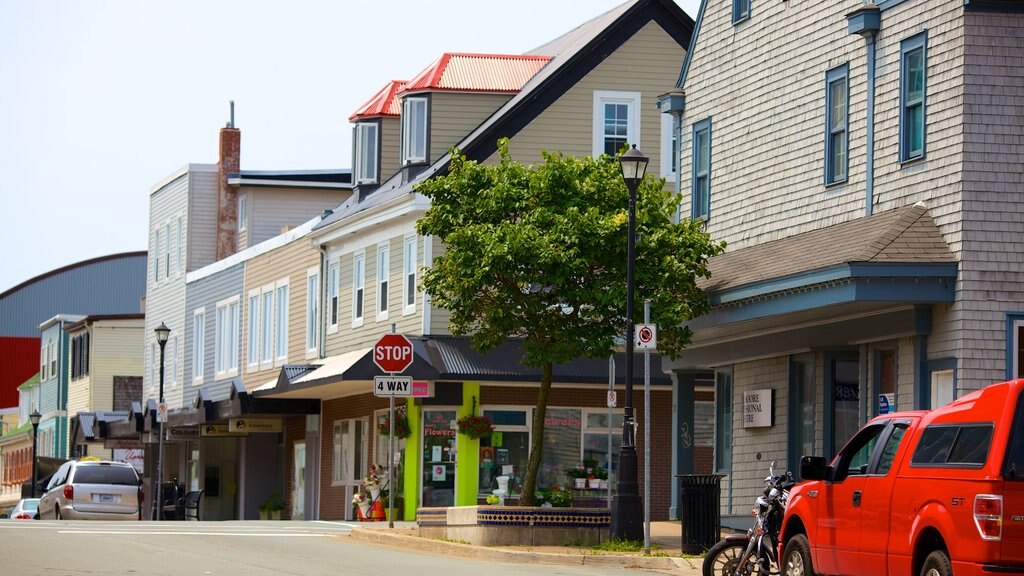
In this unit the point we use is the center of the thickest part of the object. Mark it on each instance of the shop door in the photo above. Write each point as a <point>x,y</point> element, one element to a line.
<point>438,458</point>
<point>299,482</point>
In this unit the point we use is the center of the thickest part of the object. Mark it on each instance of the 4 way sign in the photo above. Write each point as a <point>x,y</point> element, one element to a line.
<point>392,386</point>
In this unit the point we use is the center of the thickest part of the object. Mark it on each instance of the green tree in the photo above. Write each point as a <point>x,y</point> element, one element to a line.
<point>539,253</point>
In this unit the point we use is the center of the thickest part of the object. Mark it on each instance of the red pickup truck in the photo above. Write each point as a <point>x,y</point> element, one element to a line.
<point>916,493</point>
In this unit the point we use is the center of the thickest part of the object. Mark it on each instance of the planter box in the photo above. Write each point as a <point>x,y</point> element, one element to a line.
<point>515,525</point>
<point>270,515</point>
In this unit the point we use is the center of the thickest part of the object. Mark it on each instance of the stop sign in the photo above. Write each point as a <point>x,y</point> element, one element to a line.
<point>392,353</point>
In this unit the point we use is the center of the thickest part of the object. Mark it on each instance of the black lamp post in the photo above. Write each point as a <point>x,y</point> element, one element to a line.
<point>627,511</point>
<point>162,333</point>
<point>34,418</point>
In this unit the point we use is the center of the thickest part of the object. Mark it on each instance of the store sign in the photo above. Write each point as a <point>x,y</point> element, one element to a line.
<point>122,444</point>
<point>757,408</point>
<point>254,425</point>
<point>422,389</point>
<point>218,430</point>
<point>182,434</point>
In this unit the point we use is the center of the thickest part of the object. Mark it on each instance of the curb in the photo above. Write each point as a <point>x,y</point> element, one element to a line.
<point>410,542</point>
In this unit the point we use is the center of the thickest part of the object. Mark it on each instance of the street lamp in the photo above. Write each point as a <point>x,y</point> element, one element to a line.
<point>34,418</point>
<point>627,513</point>
<point>162,333</point>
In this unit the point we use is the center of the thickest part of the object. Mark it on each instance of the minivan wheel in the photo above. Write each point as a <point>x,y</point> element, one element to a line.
<point>796,560</point>
<point>56,513</point>
<point>937,564</point>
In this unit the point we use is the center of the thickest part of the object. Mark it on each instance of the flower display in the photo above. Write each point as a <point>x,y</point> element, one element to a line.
<point>493,500</point>
<point>360,498</point>
<point>475,426</point>
<point>577,471</point>
<point>402,429</point>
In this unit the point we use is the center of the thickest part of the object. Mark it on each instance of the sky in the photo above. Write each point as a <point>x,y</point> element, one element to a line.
<point>100,100</point>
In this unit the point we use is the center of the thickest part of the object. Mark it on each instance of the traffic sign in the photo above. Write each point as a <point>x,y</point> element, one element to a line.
<point>392,385</point>
<point>646,336</point>
<point>161,412</point>
<point>393,353</point>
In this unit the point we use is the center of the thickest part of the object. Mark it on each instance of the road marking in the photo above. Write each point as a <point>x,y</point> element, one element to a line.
<point>165,533</point>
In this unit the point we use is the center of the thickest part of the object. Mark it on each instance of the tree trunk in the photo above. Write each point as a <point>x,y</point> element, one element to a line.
<point>537,445</point>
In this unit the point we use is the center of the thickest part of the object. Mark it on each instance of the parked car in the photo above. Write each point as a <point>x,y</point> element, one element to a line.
<point>917,493</point>
<point>26,509</point>
<point>93,490</point>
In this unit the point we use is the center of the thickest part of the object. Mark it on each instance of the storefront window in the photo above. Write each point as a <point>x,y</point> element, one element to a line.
<point>562,448</point>
<point>595,439</point>
<point>438,458</point>
<point>506,451</point>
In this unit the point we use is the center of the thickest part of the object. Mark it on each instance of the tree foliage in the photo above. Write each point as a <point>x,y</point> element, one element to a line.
<point>539,253</point>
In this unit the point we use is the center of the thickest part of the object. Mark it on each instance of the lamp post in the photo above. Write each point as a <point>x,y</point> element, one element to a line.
<point>34,418</point>
<point>627,513</point>
<point>162,333</point>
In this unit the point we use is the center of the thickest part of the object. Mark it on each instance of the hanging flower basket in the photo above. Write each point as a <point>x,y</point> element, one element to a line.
<point>475,426</point>
<point>402,429</point>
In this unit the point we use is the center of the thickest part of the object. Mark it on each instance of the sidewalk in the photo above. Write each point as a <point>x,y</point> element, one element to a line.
<point>666,549</point>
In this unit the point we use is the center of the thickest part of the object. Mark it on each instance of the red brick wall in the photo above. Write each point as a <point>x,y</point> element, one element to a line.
<point>227,196</point>
<point>332,498</point>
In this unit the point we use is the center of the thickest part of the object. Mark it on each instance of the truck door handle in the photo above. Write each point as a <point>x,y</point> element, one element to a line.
<point>856,497</point>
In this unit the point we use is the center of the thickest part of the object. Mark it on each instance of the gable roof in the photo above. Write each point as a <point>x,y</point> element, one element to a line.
<point>383,103</point>
<point>573,55</point>
<point>477,73</point>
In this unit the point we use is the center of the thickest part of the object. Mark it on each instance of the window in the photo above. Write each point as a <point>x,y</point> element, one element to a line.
<point>44,360</point>
<point>358,288</point>
<point>181,244</point>
<point>913,72</point>
<point>383,272</point>
<point>596,426</point>
<point>252,354</point>
<point>80,356</point>
<point>312,310</point>
<point>167,251</point>
<point>53,357</point>
<point>281,323</point>
<point>266,327</point>
<point>885,381</point>
<point>226,352</point>
<point>803,408</point>
<point>723,422</point>
<point>669,148</point>
<point>836,136</point>
<point>740,10</point>
<point>409,271</point>
<point>333,279</point>
<point>366,153</point>
<point>1013,466</point>
<point>156,255</point>
<point>953,445</point>
<point>943,386</point>
<point>701,193</point>
<point>349,450</point>
<point>414,130</point>
<point>855,457</point>
<point>243,211</point>
<point>514,449</point>
<point>616,121</point>
<point>172,251</point>
<point>891,446</point>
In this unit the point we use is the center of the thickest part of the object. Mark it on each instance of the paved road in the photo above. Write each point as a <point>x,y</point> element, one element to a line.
<point>52,548</point>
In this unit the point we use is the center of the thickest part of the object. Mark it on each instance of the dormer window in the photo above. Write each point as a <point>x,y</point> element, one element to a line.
<point>414,130</point>
<point>366,153</point>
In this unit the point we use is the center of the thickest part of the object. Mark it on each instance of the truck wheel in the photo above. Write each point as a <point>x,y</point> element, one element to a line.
<point>724,558</point>
<point>796,560</point>
<point>937,564</point>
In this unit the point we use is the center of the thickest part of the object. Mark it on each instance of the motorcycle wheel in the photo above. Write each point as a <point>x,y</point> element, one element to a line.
<point>723,559</point>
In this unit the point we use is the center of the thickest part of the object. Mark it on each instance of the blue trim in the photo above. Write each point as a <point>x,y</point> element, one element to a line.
<point>681,82</point>
<point>930,366</point>
<point>1011,317</point>
<point>737,7</point>
<point>700,207</point>
<point>838,74</point>
<point>918,41</point>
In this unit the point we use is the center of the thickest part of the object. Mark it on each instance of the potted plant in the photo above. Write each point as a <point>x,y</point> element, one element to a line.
<point>475,426</point>
<point>362,501</point>
<point>578,474</point>
<point>402,429</point>
<point>602,477</point>
<point>271,508</point>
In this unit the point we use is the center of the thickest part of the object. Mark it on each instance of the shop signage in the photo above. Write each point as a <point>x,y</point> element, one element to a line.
<point>886,404</point>
<point>173,434</point>
<point>254,425</point>
<point>757,408</point>
<point>421,389</point>
<point>217,430</point>
<point>122,444</point>
<point>392,353</point>
<point>392,385</point>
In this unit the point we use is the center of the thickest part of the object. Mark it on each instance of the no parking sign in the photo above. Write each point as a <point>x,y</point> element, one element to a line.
<point>645,336</point>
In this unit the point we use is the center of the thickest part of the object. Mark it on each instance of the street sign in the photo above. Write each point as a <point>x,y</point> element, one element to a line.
<point>612,399</point>
<point>161,412</point>
<point>646,336</point>
<point>392,385</point>
<point>393,353</point>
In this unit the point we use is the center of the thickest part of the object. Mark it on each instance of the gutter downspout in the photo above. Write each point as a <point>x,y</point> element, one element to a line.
<point>324,296</point>
<point>867,21</point>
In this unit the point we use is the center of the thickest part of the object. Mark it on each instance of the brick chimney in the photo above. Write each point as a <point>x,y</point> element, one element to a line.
<point>228,162</point>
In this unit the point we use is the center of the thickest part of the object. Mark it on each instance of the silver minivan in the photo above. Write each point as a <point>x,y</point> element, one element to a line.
<point>92,490</point>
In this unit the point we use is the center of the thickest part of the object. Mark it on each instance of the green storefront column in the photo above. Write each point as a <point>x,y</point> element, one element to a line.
<point>413,459</point>
<point>467,476</point>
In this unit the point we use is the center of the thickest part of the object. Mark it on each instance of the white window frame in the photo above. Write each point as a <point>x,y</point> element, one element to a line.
<point>53,357</point>
<point>254,334</point>
<point>225,353</point>
<point>411,245</point>
<point>669,149</point>
<point>358,288</point>
<point>156,254</point>
<point>333,296</point>
<point>243,212</point>
<point>167,252</point>
<point>281,322</point>
<point>198,344</point>
<point>312,311</point>
<point>355,468</point>
<point>267,334</point>
<point>383,280</point>
<point>44,360</point>
<point>420,118</point>
<point>602,97</point>
<point>366,145</point>
<point>181,245</point>
<point>172,252</point>
<point>943,384</point>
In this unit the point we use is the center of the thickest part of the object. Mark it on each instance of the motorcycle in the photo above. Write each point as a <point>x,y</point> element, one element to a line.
<point>754,553</point>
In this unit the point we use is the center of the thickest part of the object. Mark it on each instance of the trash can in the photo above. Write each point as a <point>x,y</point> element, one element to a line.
<point>699,512</point>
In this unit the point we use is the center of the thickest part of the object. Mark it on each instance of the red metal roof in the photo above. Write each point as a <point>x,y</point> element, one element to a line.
<point>477,72</point>
<point>383,103</point>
